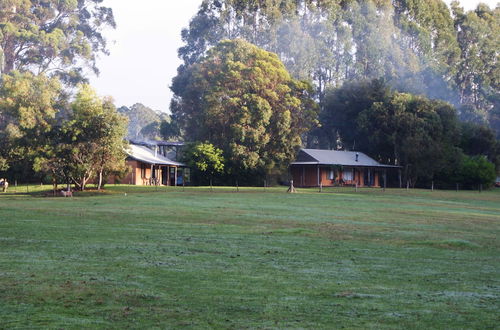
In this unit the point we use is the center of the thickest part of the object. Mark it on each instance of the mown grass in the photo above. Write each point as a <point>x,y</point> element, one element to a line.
<point>135,257</point>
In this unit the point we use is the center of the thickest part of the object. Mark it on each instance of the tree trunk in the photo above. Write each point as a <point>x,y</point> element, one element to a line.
<point>100,180</point>
<point>8,58</point>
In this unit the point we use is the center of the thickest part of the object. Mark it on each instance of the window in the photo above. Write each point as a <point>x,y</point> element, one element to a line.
<point>347,175</point>
<point>331,174</point>
<point>187,175</point>
<point>143,171</point>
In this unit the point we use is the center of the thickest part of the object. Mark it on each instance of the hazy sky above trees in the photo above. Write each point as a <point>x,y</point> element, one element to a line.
<point>144,46</point>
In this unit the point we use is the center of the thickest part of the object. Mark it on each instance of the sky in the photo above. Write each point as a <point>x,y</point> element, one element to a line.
<point>143,48</point>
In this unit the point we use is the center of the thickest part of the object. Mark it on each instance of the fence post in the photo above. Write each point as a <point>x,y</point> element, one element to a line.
<point>15,189</point>
<point>432,186</point>
<point>407,185</point>
<point>321,187</point>
<point>237,187</point>
<point>356,189</point>
<point>456,187</point>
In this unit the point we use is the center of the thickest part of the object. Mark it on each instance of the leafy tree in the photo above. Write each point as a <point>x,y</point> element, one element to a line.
<point>494,114</point>
<point>478,73</point>
<point>422,135</point>
<point>411,42</point>
<point>29,110</point>
<point>97,131</point>
<point>412,131</point>
<point>341,109</point>
<point>53,36</point>
<point>205,160</point>
<point>478,140</point>
<point>241,99</point>
<point>170,130</point>
<point>477,170</point>
<point>144,122</point>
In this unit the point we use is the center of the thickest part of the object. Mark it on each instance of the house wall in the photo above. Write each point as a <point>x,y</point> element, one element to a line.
<point>133,176</point>
<point>307,176</point>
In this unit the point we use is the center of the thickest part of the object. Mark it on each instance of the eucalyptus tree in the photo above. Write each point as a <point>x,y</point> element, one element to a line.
<point>478,74</point>
<point>54,37</point>
<point>411,43</point>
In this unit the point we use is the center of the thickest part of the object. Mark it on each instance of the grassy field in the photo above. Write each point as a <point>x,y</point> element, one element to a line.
<point>139,258</point>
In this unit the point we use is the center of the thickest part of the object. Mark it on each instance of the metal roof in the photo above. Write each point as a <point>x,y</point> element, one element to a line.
<point>151,143</point>
<point>148,156</point>
<point>336,157</point>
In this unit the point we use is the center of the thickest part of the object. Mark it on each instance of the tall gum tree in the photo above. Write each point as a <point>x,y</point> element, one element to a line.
<point>411,42</point>
<point>54,37</point>
<point>241,99</point>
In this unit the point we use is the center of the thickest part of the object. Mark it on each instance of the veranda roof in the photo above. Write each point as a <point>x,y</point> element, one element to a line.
<point>148,156</point>
<point>336,157</point>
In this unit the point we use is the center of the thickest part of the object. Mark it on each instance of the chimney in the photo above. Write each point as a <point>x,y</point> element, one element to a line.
<point>357,156</point>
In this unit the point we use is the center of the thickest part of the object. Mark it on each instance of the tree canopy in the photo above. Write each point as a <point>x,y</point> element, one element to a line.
<point>52,36</point>
<point>423,136</point>
<point>144,122</point>
<point>241,99</point>
<point>41,131</point>
<point>29,106</point>
<point>205,161</point>
<point>418,46</point>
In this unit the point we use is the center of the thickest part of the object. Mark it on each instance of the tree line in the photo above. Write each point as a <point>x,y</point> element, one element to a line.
<point>411,83</point>
<point>417,46</point>
<point>46,136</point>
<point>47,130</point>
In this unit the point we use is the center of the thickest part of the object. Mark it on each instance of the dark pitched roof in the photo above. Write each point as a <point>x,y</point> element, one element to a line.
<point>335,157</point>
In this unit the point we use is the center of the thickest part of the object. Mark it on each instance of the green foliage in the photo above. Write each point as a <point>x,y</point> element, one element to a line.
<point>170,130</point>
<point>29,106</point>
<point>144,122</point>
<point>423,136</point>
<point>418,46</point>
<point>39,133</point>
<point>477,170</point>
<point>96,131</point>
<point>478,73</point>
<point>53,36</point>
<point>241,99</point>
<point>412,42</point>
<point>478,140</point>
<point>205,161</point>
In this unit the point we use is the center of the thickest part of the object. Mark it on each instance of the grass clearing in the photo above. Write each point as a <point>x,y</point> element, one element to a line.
<point>143,257</point>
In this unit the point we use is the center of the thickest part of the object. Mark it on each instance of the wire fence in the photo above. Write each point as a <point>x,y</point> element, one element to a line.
<point>47,190</point>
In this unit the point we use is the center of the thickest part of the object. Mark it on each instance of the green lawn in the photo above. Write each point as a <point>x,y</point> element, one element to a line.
<point>139,258</point>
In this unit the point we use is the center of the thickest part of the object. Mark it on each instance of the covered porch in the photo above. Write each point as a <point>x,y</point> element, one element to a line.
<point>148,168</point>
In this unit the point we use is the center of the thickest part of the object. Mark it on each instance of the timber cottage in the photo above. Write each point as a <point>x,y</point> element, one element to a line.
<point>153,167</point>
<point>315,167</point>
